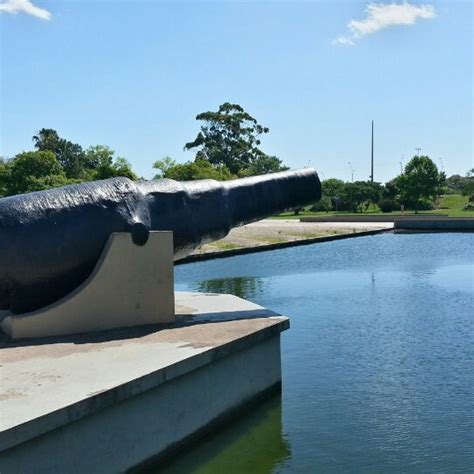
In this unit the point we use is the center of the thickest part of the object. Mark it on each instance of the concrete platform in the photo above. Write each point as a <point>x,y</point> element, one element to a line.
<point>110,401</point>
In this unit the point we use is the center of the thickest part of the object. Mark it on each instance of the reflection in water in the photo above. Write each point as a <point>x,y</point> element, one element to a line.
<point>243,287</point>
<point>253,443</point>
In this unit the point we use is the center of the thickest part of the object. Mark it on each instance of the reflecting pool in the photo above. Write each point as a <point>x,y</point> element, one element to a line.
<point>378,366</point>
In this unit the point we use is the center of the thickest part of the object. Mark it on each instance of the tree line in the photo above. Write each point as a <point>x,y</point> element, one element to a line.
<point>416,188</point>
<point>226,147</point>
<point>57,162</point>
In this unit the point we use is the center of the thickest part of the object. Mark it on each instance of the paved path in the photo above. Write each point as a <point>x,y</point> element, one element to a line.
<point>273,231</point>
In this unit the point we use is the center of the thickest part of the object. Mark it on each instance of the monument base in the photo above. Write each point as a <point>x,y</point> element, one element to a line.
<point>112,401</point>
<point>131,285</point>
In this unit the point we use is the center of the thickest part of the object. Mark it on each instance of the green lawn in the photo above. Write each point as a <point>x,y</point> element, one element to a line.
<point>449,204</point>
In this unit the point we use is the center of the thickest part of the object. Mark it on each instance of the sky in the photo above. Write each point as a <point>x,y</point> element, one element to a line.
<point>134,75</point>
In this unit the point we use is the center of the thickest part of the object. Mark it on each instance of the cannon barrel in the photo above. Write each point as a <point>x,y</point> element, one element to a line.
<point>51,240</point>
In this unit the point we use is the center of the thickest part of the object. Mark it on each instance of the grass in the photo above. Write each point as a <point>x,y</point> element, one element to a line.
<point>453,201</point>
<point>449,204</point>
<point>269,240</point>
<point>224,245</point>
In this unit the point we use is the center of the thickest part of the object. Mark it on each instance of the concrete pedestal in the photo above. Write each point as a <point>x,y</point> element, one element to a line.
<point>111,401</point>
<point>131,285</point>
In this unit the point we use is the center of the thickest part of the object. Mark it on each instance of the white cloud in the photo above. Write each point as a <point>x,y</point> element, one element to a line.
<point>385,15</point>
<point>346,40</point>
<point>25,6</point>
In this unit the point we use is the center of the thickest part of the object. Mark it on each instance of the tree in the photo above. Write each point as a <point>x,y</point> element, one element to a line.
<point>357,196</point>
<point>230,137</point>
<point>461,184</point>
<point>420,181</point>
<point>105,165</point>
<point>4,176</point>
<point>34,171</point>
<point>47,140</point>
<point>264,164</point>
<point>455,183</point>
<point>122,167</point>
<point>333,189</point>
<point>163,166</point>
<point>390,191</point>
<point>324,204</point>
<point>70,155</point>
<point>199,169</point>
<point>389,194</point>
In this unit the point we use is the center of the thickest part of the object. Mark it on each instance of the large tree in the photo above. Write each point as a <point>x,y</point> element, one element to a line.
<point>70,155</point>
<point>420,181</point>
<point>358,196</point>
<point>332,187</point>
<point>34,171</point>
<point>190,171</point>
<point>461,184</point>
<point>105,165</point>
<point>4,176</point>
<point>230,137</point>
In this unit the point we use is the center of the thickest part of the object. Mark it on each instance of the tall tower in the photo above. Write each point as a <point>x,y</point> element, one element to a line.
<point>372,156</point>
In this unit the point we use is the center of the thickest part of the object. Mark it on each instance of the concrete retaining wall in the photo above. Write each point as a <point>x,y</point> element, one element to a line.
<point>154,423</point>
<point>459,224</point>
<point>111,401</point>
<point>366,218</point>
<point>280,245</point>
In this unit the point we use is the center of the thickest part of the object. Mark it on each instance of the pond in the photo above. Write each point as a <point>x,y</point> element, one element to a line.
<point>377,365</point>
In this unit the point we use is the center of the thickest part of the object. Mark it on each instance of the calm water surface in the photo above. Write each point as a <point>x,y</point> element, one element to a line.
<point>378,366</point>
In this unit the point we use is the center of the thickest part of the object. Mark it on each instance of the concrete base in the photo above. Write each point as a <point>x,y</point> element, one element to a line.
<point>112,401</point>
<point>131,285</point>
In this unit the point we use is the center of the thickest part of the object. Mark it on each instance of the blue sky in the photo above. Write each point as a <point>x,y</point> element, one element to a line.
<point>133,76</point>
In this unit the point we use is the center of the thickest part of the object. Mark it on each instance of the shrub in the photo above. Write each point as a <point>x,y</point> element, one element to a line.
<point>324,204</point>
<point>425,205</point>
<point>387,205</point>
<point>470,205</point>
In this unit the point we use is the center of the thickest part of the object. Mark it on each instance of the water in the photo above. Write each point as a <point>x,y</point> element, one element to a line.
<point>378,366</point>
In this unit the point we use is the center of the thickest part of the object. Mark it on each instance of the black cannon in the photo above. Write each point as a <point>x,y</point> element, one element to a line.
<point>51,240</point>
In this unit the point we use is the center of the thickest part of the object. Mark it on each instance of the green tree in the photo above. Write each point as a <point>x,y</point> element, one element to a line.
<point>420,181</point>
<point>34,171</point>
<point>264,164</point>
<point>461,184</point>
<point>199,169</point>
<point>390,191</point>
<point>324,204</point>
<point>70,155</point>
<point>105,166</point>
<point>388,201</point>
<point>455,183</point>
<point>163,166</point>
<point>333,188</point>
<point>230,137</point>
<point>4,176</point>
<point>357,196</point>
